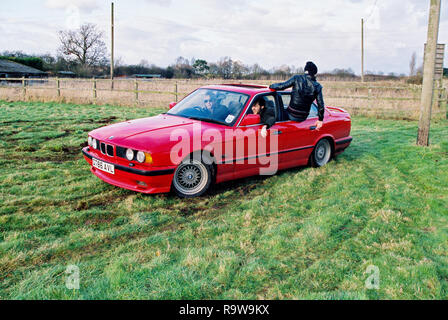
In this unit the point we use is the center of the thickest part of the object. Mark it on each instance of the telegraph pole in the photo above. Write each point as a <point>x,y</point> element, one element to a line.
<point>112,46</point>
<point>428,74</point>
<point>362,50</point>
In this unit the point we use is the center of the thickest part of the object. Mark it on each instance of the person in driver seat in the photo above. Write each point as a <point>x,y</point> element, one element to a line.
<point>267,115</point>
<point>214,110</point>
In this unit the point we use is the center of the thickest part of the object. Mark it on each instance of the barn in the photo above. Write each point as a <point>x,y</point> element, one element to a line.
<point>11,69</point>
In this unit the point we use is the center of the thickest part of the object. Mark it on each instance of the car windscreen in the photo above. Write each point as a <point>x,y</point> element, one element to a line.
<point>211,105</point>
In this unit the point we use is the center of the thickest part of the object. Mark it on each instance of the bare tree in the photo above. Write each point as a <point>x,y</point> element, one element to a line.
<point>85,45</point>
<point>239,70</point>
<point>225,67</point>
<point>182,68</point>
<point>144,63</point>
<point>412,65</point>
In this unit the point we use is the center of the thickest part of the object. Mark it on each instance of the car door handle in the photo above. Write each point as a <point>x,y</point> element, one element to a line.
<point>276,133</point>
<point>313,128</point>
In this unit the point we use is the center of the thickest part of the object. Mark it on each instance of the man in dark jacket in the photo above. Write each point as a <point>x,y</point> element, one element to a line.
<point>267,115</point>
<point>305,89</point>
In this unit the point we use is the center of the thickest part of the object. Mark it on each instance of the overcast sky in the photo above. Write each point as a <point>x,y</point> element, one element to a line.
<point>271,33</point>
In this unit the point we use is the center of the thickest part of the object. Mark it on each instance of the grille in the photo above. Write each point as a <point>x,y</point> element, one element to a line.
<point>110,150</point>
<point>103,147</point>
<point>107,149</point>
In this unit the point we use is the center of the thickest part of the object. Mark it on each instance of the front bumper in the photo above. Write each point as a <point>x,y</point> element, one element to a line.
<point>145,181</point>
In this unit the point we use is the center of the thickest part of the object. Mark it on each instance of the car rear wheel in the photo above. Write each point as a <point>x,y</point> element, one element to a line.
<point>321,153</point>
<point>192,178</point>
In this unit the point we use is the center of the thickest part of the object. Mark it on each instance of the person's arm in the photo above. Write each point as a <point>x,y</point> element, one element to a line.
<point>282,85</point>
<point>320,105</point>
<point>320,109</point>
<point>268,118</point>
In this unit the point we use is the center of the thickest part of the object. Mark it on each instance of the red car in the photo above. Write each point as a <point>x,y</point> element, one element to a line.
<point>211,136</point>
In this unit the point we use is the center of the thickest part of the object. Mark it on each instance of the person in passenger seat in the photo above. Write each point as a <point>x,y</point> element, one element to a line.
<point>267,115</point>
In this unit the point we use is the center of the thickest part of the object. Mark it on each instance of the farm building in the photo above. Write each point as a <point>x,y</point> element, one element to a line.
<point>66,74</point>
<point>11,69</point>
<point>146,76</point>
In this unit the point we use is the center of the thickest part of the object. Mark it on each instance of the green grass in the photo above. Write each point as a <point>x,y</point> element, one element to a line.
<point>303,234</point>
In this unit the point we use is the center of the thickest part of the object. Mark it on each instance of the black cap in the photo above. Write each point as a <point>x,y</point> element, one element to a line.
<point>311,68</point>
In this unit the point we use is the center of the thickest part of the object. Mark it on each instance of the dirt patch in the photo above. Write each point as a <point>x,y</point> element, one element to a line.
<point>16,121</point>
<point>107,120</point>
<point>243,190</point>
<point>66,155</point>
<point>107,200</point>
<point>26,148</point>
<point>191,210</point>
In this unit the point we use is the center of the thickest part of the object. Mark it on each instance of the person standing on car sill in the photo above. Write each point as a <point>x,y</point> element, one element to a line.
<point>267,115</point>
<point>305,89</point>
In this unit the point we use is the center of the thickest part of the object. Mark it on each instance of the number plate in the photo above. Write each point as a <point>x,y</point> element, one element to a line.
<point>103,166</point>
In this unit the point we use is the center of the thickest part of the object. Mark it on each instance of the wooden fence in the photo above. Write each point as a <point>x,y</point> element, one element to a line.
<point>382,99</point>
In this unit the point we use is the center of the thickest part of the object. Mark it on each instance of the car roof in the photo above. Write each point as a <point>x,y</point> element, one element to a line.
<point>239,87</point>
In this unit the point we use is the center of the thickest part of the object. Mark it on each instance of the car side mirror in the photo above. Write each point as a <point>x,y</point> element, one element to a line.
<point>250,119</point>
<point>172,104</point>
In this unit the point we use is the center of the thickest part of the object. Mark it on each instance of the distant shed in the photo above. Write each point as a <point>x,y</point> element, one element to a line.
<point>146,76</point>
<point>66,74</point>
<point>11,69</point>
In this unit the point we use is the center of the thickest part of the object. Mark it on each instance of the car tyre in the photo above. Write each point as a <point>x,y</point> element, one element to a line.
<point>321,154</point>
<point>192,178</point>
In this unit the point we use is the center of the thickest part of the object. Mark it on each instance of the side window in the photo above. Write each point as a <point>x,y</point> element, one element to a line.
<point>313,111</point>
<point>286,97</point>
<point>270,103</point>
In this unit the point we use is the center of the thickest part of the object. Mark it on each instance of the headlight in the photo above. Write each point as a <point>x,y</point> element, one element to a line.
<point>141,156</point>
<point>129,154</point>
<point>94,144</point>
<point>89,141</point>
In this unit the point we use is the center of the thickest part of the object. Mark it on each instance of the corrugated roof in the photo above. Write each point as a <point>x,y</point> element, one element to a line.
<point>66,72</point>
<point>7,66</point>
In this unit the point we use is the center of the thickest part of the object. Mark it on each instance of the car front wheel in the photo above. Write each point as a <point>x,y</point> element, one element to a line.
<point>321,153</point>
<point>192,178</point>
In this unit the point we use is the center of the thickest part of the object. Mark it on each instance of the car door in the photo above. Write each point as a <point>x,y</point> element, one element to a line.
<point>295,138</point>
<point>251,151</point>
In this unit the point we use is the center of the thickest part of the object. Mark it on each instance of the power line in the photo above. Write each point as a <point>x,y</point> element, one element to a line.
<point>371,12</point>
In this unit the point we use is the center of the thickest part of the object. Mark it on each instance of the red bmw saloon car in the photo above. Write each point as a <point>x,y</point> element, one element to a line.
<point>212,136</point>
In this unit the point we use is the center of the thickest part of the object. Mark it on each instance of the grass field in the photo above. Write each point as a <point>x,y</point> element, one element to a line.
<point>303,234</point>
